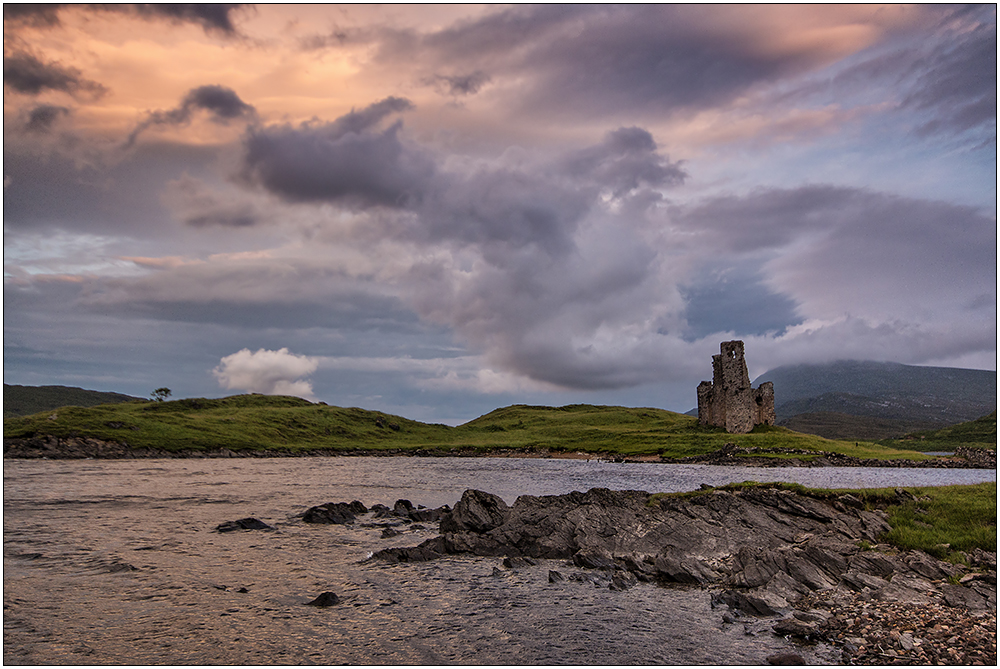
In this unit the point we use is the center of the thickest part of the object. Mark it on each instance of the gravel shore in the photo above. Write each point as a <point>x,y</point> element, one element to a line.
<point>873,632</point>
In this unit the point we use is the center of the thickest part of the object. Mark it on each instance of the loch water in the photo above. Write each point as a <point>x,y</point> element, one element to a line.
<point>117,562</point>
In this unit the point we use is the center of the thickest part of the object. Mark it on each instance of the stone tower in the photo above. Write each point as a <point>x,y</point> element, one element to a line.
<point>728,400</point>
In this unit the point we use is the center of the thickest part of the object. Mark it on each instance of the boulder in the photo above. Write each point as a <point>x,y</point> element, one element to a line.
<point>325,599</point>
<point>923,564</point>
<point>477,511</point>
<point>402,507</point>
<point>747,603</point>
<point>332,513</point>
<point>593,559</point>
<point>422,515</point>
<point>622,580</point>
<point>958,596</point>
<point>243,524</point>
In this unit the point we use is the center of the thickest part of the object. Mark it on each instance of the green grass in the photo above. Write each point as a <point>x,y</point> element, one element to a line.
<point>945,520</point>
<point>981,433</point>
<point>260,422</point>
<point>940,521</point>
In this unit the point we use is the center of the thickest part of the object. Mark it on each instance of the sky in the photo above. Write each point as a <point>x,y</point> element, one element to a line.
<point>436,211</point>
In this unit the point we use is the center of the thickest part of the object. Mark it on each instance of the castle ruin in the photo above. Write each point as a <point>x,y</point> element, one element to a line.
<point>728,400</point>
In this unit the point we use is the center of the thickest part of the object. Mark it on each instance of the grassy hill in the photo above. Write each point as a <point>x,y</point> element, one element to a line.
<point>260,422</point>
<point>26,400</point>
<point>981,432</point>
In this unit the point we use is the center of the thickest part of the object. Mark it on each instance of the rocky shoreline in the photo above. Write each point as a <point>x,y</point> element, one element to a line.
<point>812,565</point>
<point>77,448</point>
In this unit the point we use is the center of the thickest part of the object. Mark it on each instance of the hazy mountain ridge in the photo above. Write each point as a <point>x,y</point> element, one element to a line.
<point>26,400</point>
<point>878,400</point>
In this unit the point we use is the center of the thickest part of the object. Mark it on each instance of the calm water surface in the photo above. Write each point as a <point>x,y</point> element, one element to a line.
<point>115,562</point>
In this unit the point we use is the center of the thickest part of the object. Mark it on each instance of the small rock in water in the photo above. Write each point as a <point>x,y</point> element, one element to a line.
<point>785,659</point>
<point>243,524</point>
<point>389,532</point>
<point>622,580</point>
<point>794,627</point>
<point>555,576</point>
<point>326,599</point>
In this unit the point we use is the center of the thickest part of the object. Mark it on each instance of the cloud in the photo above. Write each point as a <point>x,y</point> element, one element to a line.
<point>26,73</point>
<point>221,103</point>
<point>43,117</point>
<point>586,61</point>
<point>346,161</point>
<point>36,15</point>
<point>199,205</point>
<point>267,372</point>
<point>214,18</point>
<point>958,83</point>
<point>624,160</point>
<point>939,83</point>
<point>460,84</point>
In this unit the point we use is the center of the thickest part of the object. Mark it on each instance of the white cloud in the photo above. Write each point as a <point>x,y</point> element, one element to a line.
<point>267,372</point>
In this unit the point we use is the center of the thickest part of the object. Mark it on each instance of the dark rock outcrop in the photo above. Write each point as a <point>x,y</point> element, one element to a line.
<point>334,513</point>
<point>765,547</point>
<point>243,524</point>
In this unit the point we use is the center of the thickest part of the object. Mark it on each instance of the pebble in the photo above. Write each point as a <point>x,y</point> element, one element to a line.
<point>929,636</point>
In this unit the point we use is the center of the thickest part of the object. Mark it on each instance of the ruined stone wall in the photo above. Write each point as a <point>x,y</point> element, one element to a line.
<point>728,400</point>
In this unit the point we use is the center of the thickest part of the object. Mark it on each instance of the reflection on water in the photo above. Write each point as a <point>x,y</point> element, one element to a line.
<point>116,562</point>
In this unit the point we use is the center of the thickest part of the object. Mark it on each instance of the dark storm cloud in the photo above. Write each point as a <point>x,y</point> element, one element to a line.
<point>488,205</point>
<point>222,104</point>
<point>347,161</point>
<point>626,159</point>
<point>36,15</point>
<point>43,117</point>
<point>212,17</point>
<point>586,60</point>
<point>25,73</point>
<point>614,313</point>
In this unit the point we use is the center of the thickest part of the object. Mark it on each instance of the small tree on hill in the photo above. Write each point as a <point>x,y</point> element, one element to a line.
<point>160,394</point>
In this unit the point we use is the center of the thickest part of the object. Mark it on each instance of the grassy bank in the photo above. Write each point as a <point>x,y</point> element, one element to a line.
<point>942,521</point>
<point>258,422</point>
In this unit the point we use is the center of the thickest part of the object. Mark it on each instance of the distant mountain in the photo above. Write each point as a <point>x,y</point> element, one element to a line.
<point>831,400</point>
<point>26,400</point>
